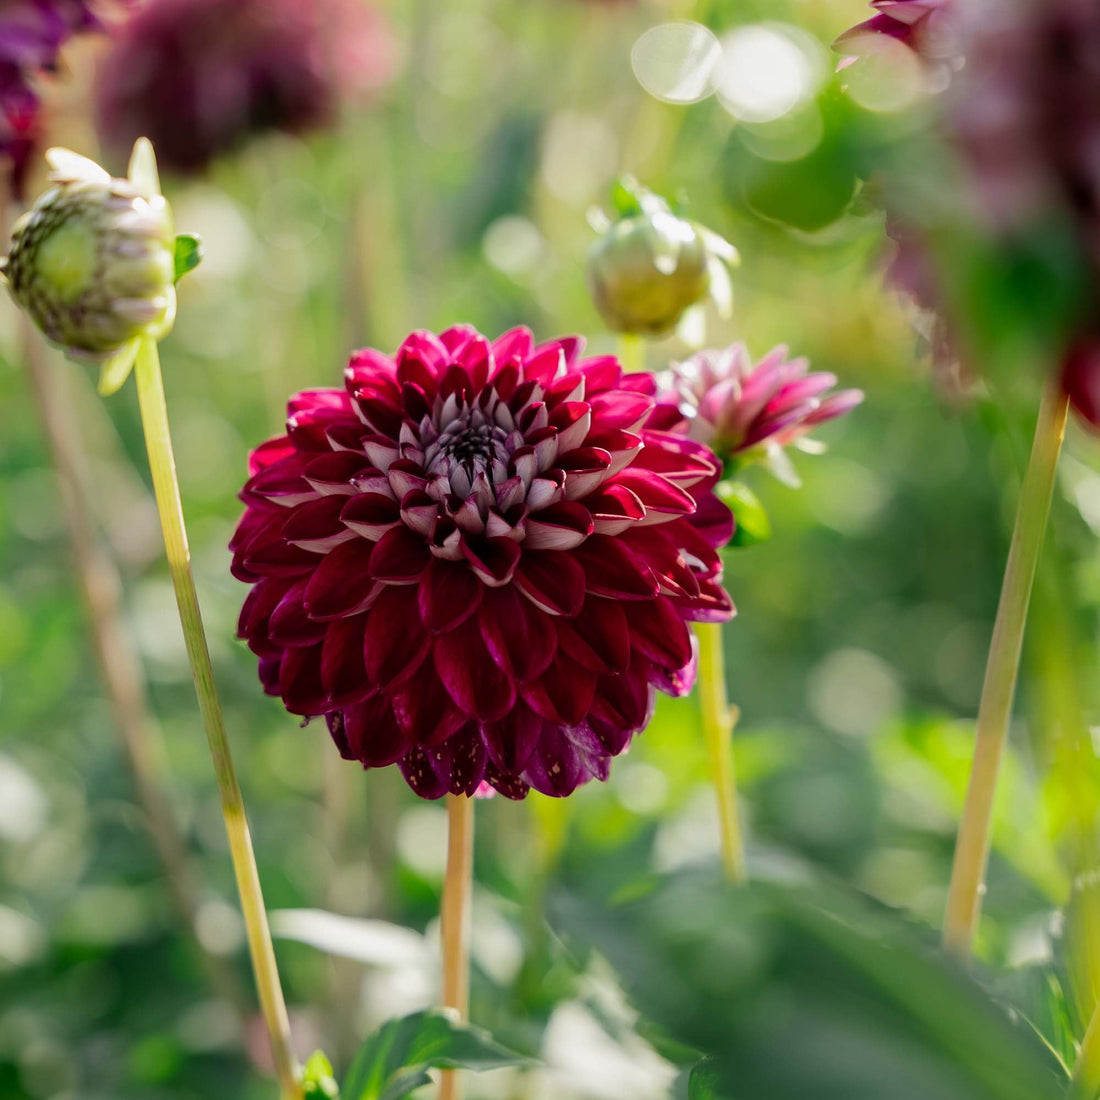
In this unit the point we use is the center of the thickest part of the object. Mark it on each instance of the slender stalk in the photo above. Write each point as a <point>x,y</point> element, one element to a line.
<point>964,897</point>
<point>158,441</point>
<point>455,920</point>
<point>632,351</point>
<point>1085,1083</point>
<point>100,587</point>
<point>719,718</point>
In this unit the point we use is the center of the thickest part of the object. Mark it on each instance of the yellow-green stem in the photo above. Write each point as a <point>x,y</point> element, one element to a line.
<point>632,352</point>
<point>718,722</point>
<point>455,920</point>
<point>158,441</point>
<point>964,897</point>
<point>1085,1083</point>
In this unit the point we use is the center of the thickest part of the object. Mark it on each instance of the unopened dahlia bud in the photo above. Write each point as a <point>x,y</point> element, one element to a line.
<point>649,267</point>
<point>93,261</point>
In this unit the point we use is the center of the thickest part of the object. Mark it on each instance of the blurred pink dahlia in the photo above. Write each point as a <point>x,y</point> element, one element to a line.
<point>32,33</point>
<point>923,26</point>
<point>198,77</point>
<point>478,560</point>
<point>723,399</point>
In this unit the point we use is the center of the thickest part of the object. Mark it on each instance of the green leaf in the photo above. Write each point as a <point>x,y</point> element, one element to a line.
<point>395,1060</point>
<point>753,525</point>
<point>189,253</point>
<point>318,1082</point>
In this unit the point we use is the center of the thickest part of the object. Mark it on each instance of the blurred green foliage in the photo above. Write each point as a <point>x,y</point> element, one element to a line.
<point>856,657</point>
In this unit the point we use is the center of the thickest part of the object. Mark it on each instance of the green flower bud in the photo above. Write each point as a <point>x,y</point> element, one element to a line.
<point>646,269</point>
<point>93,261</point>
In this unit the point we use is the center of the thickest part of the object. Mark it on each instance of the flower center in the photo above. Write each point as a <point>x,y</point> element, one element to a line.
<point>469,445</point>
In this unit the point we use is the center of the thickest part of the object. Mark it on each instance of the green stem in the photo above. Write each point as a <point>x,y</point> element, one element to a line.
<point>455,921</point>
<point>158,441</point>
<point>719,719</point>
<point>1085,1083</point>
<point>964,897</point>
<point>632,352</point>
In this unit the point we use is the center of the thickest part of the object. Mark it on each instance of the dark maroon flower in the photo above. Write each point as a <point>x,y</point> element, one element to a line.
<point>478,560</point>
<point>197,77</point>
<point>741,409</point>
<point>32,33</point>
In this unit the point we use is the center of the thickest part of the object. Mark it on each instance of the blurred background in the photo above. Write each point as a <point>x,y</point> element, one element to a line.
<point>448,180</point>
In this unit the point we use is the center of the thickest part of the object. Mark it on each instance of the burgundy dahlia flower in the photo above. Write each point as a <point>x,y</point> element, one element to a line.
<point>478,560</point>
<point>32,33</point>
<point>723,399</point>
<point>197,77</point>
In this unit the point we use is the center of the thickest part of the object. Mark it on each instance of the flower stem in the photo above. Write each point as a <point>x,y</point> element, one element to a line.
<point>158,441</point>
<point>719,719</point>
<point>1085,1083</point>
<point>964,897</point>
<point>455,919</point>
<point>100,586</point>
<point>632,352</point>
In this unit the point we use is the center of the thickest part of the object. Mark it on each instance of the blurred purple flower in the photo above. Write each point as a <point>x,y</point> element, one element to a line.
<point>32,33</point>
<point>722,399</point>
<point>198,77</point>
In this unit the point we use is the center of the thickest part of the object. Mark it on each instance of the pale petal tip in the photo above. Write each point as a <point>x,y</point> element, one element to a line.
<point>142,172</point>
<point>67,165</point>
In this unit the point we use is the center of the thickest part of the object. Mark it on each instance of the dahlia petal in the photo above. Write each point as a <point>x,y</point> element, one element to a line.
<point>426,348</point>
<point>586,468</point>
<point>335,722</point>
<point>372,733</point>
<point>281,482</point>
<point>573,419</point>
<point>315,525</point>
<point>511,741</point>
<point>268,453</point>
<point>381,414</point>
<point>420,512</point>
<point>366,365</point>
<point>713,520</point>
<point>544,364</point>
<point>626,701</point>
<point>421,776</point>
<point>447,595</point>
<point>289,624</point>
<point>712,605</point>
<point>599,637</point>
<point>415,371</point>
<point>394,643</point>
<point>658,632</point>
<point>612,569</point>
<point>507,784</point>
<point>516,343</point>
<point>563,693</point>
<point>343,672</point>
<point>614,508</point>
<point>300,681</point>
<point>547,490</point>
<point>620,410</point>
<point>602,372</point>
<point>333,473</point>
<point>516,634</point>
<point>341,584</point>
<point>561,526</point>
<point>263,598</point>
<point>552,581</point>
<point>404,476</point>
<point>660,497</point>
<point>623,447</point>
<point>424,710</point>
<point>459,763</point>
<point>472,678</point>
<point>494,560</point>
<point>399,557</point>
<point>557,767</point>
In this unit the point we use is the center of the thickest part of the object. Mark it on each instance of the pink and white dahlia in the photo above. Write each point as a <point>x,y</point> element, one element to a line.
<point>721,398</point>
<point>923,26</point>
<point>478,560</point>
